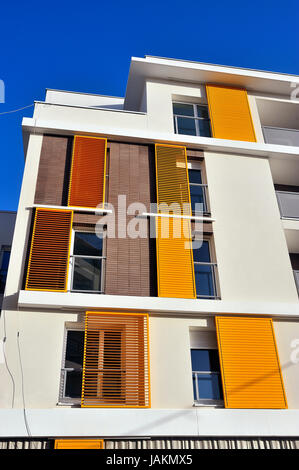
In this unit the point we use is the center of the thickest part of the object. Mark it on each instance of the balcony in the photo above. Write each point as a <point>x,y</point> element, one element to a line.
<point>281,136</point>
<point>288,203</point>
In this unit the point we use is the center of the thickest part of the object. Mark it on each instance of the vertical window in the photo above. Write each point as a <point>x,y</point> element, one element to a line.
<point>4,261</point>
<point>191,119</point>
<point>72,367</point>
<point>205,271</point>
<point>198,192</point>
<point>87,263</point>
<point>206,376</point>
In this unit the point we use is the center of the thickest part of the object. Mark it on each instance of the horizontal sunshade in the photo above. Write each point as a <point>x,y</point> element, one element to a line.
<point>49,253</point>
<point>175,271</point>
<point>172,179</point>
<point>115,369</point>
<point>230,113</point>
<point>249,362</point>
<point>87,182</point>
<point>79,444</point>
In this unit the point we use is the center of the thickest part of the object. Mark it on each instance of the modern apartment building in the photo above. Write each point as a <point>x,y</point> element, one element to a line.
<point>7,224</point>
<point>151,300</point>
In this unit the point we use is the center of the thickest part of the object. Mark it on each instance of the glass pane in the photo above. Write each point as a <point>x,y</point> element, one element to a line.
<point>73,384</point>
<point>202,111</point>
<point>198,202</point>
<point>195,176</point>
<point>74,349</point>
<point>209,386</point>
<point>5,260</point>
<point>204,280</point>
<point>183,109</point>
<point>202,254</point>
<point>186,126</point>
<point>205,360</point>
<point>87,274</point>
<point>87,244</point>
<point>204,128</point>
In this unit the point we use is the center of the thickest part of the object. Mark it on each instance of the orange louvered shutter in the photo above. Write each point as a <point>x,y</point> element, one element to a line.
<point>230,113</point>
<point>175,270</point>
<point>116,367</point>
<point>49,252</point>
<point>87,182</point>
<point>250,368</point>
<point>79,444</point>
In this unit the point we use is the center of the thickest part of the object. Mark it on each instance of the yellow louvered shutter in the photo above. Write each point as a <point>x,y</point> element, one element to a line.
<point>79,444</point>
<point>87,181</point>
<point>230,113</point>
<point>175,269</point>
<point>49,252</point>
<point>251,374</point>
<point>116,364</point>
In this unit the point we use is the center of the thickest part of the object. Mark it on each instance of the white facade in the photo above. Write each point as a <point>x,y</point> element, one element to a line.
<point>252,246</point>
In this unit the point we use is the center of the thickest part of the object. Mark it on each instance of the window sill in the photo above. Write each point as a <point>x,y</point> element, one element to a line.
<point>208,405</point>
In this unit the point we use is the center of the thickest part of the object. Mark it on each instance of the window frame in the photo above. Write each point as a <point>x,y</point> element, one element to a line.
<point>63,371</point>
<point>210,402</point>
<point>72,264</point>
<point>195,117</point>
<point>213,265</point>
<point>195,165</point>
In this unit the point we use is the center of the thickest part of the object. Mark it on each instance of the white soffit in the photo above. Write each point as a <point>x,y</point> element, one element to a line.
<point>196,72</point>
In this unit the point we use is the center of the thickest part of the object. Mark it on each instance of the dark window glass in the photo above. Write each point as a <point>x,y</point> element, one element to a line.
<point>202,254</point>
<point>204,128</point>
<point>87,244</point>
<point>74,360</point>
<point>186,126</point>
<point>3,269</point>
<point>183,109</point>
<point>74,349</point>
<point>198,202</point>
<point>204,280</point>
<point>195,176</point>
<point>87,274</point>
<point>202,111</point>
<point>205,360</point>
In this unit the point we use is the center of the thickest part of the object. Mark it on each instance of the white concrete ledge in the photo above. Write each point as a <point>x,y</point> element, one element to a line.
<point>75,302</point>
<point>75,422</point>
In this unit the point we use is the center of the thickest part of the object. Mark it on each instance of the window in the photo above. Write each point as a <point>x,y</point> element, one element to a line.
<point>191,119</point>
<point>71,383</point>
<point>4,261</point>
<point>198,191</point>
<point>206,377</point>
<point>87,263</point>
<point>205,271</point>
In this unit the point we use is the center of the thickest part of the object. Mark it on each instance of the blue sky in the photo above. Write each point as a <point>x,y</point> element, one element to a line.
<point>86,46</point>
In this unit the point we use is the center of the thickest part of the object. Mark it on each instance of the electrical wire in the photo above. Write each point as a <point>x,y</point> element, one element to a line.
<point>16,110</point>
<point>5,360</point>
<point>23,394</point>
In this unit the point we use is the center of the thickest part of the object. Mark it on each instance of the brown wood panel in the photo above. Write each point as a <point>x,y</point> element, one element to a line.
<point>53,172</point>
<point>130,267</point>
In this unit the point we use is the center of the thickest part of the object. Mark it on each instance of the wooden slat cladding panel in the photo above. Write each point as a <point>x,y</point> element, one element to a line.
<point>53,171</point>
<point>250,368</point>
<point>49,252</point>
<point>130,267</point>
<point>230,113</point>
<point>79,444</point>
<point>172,180</point>
<point>175,271</point>
<point>116,368</point>
<point>87,180</point>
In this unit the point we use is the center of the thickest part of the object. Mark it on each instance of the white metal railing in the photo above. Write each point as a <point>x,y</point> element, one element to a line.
<point>296,276</point>
<point>281,136</point>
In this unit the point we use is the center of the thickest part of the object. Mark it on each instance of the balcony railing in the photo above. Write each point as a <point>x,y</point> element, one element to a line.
<point>281,136</point>
<point>288,203</point>
<point>296,276</point>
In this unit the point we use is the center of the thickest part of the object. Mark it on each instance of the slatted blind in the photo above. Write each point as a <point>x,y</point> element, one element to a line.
<point>230,113</point>
<point>175,270</point>
<point>250,368</point>
<point>116,367</point>
<point>172,180</point>
<point>87,181</point>
<point>49,252</point>
<point>79,444</point>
